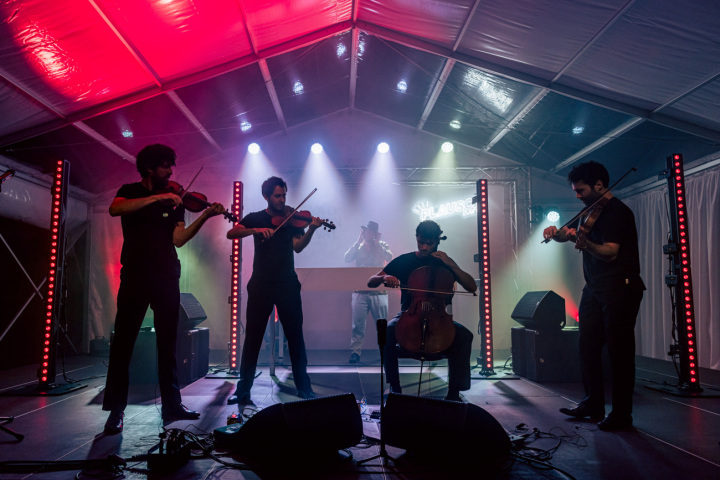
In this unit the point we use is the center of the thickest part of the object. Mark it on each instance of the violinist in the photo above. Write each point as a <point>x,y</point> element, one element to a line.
<point>607,238</point>
<point>273,283</point>
<point>153,226</point>
<point>397,274</point>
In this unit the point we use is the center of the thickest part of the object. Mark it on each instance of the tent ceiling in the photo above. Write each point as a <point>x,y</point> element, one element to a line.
<point>537,83</point>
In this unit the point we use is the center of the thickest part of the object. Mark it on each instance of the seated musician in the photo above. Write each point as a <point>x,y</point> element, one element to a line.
<point>396,274</point>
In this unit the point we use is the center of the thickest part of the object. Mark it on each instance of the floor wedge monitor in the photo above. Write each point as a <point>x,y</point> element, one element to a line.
<point>442,428</point>
<point>326,424</point>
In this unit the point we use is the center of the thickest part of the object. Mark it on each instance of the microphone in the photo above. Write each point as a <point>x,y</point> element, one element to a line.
<point>382,331</point>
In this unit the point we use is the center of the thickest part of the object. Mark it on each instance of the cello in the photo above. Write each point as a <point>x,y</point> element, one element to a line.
<point>426,327</point>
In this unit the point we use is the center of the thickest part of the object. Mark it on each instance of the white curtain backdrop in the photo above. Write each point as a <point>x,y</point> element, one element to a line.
<point>654,329</point>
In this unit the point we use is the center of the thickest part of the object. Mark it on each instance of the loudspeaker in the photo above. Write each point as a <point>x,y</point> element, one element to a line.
<point>540,311</point>
<point>435,427</point>
<point>317,426</point>
<point>193,352</point>
<point>143,364</point>
<point>553,356</point>
<point>517,351</point>
<point>191,312</point>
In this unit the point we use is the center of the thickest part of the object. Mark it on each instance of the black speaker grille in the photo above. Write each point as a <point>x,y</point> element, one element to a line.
<point>543,310</point>
<point>191,312</point>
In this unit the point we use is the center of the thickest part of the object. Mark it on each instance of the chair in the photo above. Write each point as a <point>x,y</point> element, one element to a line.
<point>430,357</point>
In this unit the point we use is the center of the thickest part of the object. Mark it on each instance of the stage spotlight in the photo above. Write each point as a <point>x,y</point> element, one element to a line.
<point>245,126</point>
<point>447,147</point>
<point>552,214</point>
<point>254,148</point>
<point>383,147</point>
<point>316,148</point>
<point>455,124</point>
<point>402,86</point>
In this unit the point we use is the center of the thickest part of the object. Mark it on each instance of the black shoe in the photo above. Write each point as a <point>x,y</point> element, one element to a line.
<point>307,395</point>
<point>178,412</point>
<point>354,358</point>
<point>584,411</point>
<point>114,423</point>
<point>613,423</point>
<point>242,398</point>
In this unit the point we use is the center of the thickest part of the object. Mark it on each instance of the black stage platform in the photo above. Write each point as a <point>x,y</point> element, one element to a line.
<point>674,437</point>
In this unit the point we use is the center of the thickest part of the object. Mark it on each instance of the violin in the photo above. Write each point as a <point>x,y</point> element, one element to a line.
<point>602,201</point>
<point>426,326</point>
<point>192,201</point>
<point>583,229</point>
<point>299,219</point>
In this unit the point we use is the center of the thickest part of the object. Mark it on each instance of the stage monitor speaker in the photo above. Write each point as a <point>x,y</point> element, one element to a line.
<point>318,426</point>
<point>442,428</point>
<point>540,311</point>
<point>191,312</point>
<point>517,351</point>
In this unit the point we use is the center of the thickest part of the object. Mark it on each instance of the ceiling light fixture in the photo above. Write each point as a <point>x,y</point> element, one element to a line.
<point>552,214</point>
<point>298,88</point>
<point>402,86</point>
<point>383,147</point>
<point>245,126</point>
<point>316,148</point>
<point>447,147</point>
<point>455,124</point>
<point>254,148</point>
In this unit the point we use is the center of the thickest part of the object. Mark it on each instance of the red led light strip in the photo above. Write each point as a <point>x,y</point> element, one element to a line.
<point>680,230</point>
<point>58,197</point>
<point>235,268</point>
<point>485,325</point>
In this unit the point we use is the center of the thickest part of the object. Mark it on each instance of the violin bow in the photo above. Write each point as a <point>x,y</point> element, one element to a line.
<point>296,209</point>
<point>192,180</point>
<point>453,292</point>
<point>590,207</point>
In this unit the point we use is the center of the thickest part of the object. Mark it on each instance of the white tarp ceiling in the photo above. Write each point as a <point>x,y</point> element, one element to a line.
<point>539,83</point>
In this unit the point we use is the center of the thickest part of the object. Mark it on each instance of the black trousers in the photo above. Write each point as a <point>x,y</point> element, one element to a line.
<point>262,296</point>
<point>609,319</point>
<point>457,354</point>
<point>138,290</point>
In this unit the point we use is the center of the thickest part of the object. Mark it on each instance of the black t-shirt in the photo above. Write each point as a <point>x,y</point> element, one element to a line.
<point>402,266</point>
<point>274,258</point>
<point>615,224</point>
<point>147,234</point>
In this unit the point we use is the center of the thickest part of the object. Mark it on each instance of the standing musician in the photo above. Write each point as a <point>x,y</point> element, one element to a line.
<point>153,225</point>
<point>273,282</point>
<point>396,274</point>
<point>607,238</point>
<point>367,251</point>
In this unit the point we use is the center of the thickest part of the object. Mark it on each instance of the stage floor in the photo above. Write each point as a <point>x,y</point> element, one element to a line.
<point>674,437</point>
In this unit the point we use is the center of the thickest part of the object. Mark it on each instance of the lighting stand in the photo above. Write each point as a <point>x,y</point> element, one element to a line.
<point>485,362</point>
<point>54,294</point>
<point>679,281</point>
<point>234,299</point>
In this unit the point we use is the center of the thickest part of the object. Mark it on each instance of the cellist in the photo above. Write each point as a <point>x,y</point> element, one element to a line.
<point>397,274</point>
